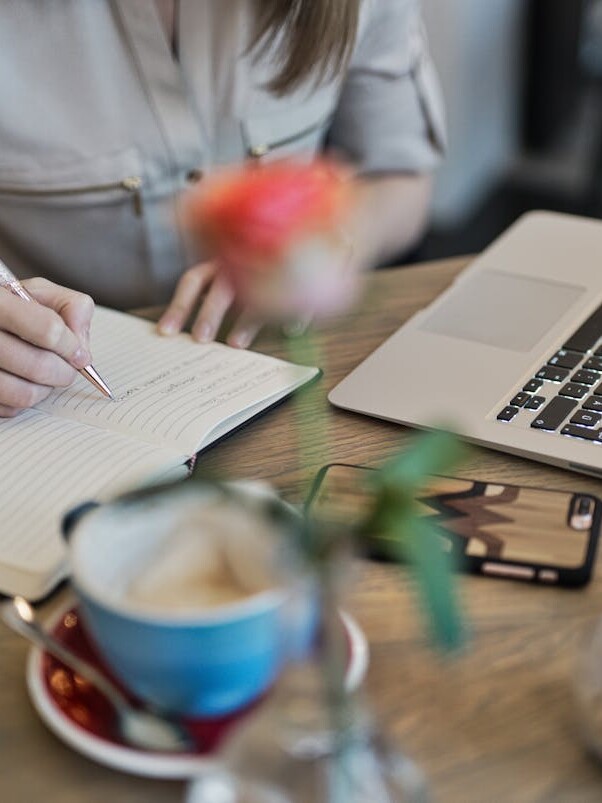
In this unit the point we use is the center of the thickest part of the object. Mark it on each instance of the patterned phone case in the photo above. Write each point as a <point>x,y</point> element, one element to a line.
<point>499,530</point>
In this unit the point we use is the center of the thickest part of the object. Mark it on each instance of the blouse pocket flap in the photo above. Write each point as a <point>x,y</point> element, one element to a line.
<point>294,127</point>
<point>104,171</point>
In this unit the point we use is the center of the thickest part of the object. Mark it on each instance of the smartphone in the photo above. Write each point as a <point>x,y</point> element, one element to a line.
<point>499,530</point>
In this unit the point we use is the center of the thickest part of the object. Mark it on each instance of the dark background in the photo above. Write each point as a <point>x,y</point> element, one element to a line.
<point>558,101</point>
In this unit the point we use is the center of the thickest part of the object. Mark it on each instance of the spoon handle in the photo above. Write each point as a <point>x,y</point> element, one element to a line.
<point>34,633</point>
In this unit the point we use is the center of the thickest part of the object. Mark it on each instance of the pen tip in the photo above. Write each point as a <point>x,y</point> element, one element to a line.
<point>94,377</point>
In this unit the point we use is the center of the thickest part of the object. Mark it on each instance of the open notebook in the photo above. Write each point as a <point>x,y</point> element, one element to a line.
<point>174,397</point>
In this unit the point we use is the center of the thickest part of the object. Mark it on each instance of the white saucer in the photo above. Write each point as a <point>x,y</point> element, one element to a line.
<point>104,750</point>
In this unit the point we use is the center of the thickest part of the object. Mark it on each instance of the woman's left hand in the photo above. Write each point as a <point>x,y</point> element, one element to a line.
<point>204,294</point>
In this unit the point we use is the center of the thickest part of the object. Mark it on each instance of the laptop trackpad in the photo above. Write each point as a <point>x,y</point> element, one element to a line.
<point>502,309</point>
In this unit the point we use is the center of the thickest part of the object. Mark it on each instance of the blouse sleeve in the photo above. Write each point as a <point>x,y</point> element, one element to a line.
<point>390,115</point>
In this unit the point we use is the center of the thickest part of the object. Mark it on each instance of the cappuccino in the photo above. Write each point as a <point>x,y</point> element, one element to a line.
<point>218,555</point>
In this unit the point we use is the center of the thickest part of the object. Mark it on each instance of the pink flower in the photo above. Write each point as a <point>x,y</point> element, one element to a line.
<point>275,230</point>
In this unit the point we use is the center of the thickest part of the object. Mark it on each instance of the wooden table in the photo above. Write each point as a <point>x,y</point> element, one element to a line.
<point>496,725</point>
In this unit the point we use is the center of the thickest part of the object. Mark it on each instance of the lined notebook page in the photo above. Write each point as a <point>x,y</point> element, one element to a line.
<point>48,466</point>
<point>170,391</point>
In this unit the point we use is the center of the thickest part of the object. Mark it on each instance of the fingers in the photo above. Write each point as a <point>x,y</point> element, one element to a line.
<point>28,374</point>
<point>76,309</point>
<point>213,308</point>
<point>244,331</point>
<point>8,412</point>
<point>186,298</point>
<point>41,344</point>
<point>18,394</point>
<point>41,326</point>
<point>212,311</point>
<point>298,327</point>
<point>33,364</point>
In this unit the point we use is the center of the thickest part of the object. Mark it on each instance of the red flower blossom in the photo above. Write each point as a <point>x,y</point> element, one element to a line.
<point>275,230</point>
<point>258,211</point>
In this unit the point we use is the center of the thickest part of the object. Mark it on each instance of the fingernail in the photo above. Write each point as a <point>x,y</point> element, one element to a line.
<point>295,328</point>
<point>168,326</point>
<point>81,358</point>
<point>241,340</point>
<point>204,332</point>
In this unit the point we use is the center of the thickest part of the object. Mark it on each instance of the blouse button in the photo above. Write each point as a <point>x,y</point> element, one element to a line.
<point>194,175</point>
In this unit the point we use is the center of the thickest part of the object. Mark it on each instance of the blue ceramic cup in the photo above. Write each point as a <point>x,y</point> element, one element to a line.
<point>191,660</point>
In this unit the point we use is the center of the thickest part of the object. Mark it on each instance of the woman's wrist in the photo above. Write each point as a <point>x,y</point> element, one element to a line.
<point>389,217</point>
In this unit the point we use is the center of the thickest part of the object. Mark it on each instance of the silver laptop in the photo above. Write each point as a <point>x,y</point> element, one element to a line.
<point>510,356</point>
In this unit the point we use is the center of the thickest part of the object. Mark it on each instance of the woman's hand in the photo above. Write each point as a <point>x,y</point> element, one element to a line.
<point>41,345</point>
<point>205,279</point>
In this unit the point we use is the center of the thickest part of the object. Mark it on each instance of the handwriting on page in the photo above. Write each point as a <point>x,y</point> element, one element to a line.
<point>169,391</point>
<point>51,464</point>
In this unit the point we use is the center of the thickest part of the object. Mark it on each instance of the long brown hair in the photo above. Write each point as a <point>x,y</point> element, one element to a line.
<point>312,37</point>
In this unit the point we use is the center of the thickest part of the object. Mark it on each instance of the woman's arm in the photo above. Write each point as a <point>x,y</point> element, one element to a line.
<point>388,126</point>
<point>390,216</point>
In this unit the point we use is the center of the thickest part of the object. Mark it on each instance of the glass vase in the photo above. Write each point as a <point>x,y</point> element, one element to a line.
<point>587,687</point>
<point>313,740</point>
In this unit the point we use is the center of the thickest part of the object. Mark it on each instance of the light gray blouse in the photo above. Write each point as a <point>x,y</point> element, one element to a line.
<point>101,129</point>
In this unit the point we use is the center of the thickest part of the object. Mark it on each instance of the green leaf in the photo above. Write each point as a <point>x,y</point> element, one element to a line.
<point>413,537</point>
<point>422,548</point>
<point>431,453</point>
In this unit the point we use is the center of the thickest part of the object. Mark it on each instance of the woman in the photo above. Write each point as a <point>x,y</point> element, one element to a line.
<point>110,110</point>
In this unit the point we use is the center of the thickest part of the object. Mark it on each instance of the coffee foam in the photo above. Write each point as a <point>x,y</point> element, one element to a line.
<point>217,555</point>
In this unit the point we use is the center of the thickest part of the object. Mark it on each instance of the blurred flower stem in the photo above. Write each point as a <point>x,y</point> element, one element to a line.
<point>311,424</point>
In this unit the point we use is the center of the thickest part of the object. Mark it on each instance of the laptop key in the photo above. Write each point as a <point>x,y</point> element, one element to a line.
<point>552,374</point>
<point>573,390</point>
<point>565,359</point>
<point>598,390</point>
<point>588,333</point>
<point>533,385</point>
<point>593,404</point>
<point>507,414</point>
<point>584,418</point>
<point>535,402</point>
<point>520,399</point>
<point>585,377</point>
<point>582,432</point>
<point>554,413</point>
<point>593,364</point>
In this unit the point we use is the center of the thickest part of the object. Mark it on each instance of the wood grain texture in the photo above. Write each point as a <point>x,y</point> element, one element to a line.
<point>495,725</point>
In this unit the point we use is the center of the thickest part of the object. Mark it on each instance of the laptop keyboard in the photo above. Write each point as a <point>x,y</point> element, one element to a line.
<point>565,395</point>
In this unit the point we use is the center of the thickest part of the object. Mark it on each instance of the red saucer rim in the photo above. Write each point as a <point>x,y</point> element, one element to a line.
<point>133,760</point>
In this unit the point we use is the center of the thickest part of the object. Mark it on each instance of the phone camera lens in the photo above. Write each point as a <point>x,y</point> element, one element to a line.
<point>581,516</point>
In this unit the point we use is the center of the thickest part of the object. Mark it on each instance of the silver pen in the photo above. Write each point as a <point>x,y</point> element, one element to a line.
<point>10,282</point>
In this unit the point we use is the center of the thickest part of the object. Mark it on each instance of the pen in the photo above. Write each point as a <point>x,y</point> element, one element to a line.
<point>10,282</point>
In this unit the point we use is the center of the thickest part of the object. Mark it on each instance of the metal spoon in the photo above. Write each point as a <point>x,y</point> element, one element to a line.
<point>144,727</point>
